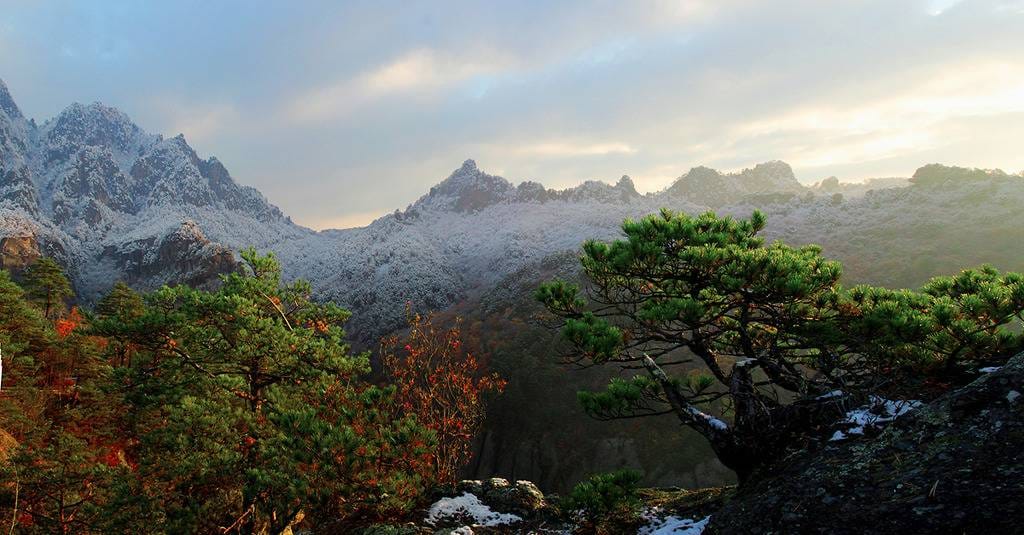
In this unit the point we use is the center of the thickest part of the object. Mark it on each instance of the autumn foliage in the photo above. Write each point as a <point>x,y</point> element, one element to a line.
<point>443,385</point>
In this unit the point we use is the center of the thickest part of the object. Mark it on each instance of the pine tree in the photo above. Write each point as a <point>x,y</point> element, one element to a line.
<point>250,412</point>
<point>765,334</point>
<point>121,301</point>
<point>45,282</point>
<point>125,305</point>
<point>60,421</point>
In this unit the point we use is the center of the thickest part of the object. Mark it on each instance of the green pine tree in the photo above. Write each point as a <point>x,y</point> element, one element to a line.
<point>58,474</point>
<point>46,283</point>
<point>762,335</point>
<point>250,411</point>
<point>121,301</point>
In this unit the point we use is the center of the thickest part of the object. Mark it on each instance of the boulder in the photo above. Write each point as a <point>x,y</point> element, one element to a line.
<point>522,498</point>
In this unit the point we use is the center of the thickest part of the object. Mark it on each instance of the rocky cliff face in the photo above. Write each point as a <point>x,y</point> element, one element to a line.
<point>111,201</point>
<point>953,466</point>
<point>18,252</point>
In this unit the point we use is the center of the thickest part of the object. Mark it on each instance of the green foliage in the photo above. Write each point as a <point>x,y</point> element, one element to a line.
<point>60,442</point>
<point>46,283</point>
<point>770,329</point>
<point>121,301</point>
<point>604,497</point>
<point>249,409</point>
<point>951,327</point>
<point>621,397</point>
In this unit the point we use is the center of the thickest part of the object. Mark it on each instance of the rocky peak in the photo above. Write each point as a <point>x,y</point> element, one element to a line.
<point>467,189</point>
<point>769,177</point>
<point>626,185</point>
<point>595,190</point>
<point>92,125</point>
<point>7,104</point>
<point>703,185</point>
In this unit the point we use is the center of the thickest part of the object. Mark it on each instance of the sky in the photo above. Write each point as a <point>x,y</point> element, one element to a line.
<point>341,111</point>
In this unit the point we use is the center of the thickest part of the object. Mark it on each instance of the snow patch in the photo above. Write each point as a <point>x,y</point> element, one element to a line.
<point>715,422</point>
<point>468,506</point>
<point>990,369</point>
<point>876,414</point>
<point>671,525</point>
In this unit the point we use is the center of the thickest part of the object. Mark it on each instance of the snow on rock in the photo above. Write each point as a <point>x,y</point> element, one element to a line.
<point>989,369</point>
<point>655,524</point>
<point>468,507</point>
<point>714,422</point>
<point>878,412</point>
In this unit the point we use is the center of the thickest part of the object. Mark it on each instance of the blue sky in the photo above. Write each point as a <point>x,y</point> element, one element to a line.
<point>342,111</point>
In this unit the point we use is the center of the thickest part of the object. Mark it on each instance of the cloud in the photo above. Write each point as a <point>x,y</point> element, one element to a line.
<point>200,122</point>
<point>561,149</point>
<point>911,120</point>
<point>418,72</point>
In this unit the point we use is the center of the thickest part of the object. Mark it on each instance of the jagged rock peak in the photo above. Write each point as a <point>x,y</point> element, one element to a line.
<point>7,104</point>
<point>626,184</point>
<point>91,125</point>
<point>467,189</point>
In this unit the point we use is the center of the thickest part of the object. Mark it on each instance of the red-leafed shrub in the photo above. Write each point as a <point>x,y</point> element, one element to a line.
<point>443,386</point>
<point>66,325</point>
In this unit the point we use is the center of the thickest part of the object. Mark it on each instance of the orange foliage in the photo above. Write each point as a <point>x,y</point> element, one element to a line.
<point>66,325</point>
<point>443,386</point>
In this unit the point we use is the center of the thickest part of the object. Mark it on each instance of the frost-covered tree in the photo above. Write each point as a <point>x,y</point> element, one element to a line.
<point>770,345</point>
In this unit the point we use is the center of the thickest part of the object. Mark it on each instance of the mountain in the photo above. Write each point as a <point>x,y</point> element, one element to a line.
<point>709,187</point>
<point>111,201</point>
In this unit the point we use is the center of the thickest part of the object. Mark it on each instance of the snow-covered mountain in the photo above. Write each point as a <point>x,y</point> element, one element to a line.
<point>111,201</point>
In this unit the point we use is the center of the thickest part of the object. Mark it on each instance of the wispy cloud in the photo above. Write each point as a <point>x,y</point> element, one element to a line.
<point>199,122</point>
<point>420,72</point>
<point>562,149</point>
<point>908,121</point>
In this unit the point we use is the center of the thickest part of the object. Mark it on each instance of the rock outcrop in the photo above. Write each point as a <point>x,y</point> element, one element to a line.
<point>953,466</point>
<point>17,252</point>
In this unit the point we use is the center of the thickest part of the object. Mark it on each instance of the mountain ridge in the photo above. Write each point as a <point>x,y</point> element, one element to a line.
<point>91,188</point>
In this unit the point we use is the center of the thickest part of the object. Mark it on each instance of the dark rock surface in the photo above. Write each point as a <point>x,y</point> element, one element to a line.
<point>954,466</point>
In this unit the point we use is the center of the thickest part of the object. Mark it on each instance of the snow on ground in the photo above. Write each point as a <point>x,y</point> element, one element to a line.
<point>671,525</point>
<point>468,506</point>
<point>989,369</point>
<point>877,413</point>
